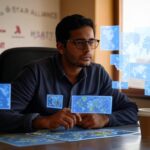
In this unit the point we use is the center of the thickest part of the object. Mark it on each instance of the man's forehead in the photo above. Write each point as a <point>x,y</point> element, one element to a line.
<point>82,32</point>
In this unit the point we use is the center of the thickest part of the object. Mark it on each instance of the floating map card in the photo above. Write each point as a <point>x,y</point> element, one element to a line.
<point>147,88</point>
<point>109,37</point>
<point>140,71</point>
<point>5,96</point>
<point>54,101</point>
<point>91,104</point>
<point>119,85</point>
<point>119,61</point>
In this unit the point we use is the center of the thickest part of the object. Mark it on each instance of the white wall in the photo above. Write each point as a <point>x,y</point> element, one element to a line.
<point>28,23</point>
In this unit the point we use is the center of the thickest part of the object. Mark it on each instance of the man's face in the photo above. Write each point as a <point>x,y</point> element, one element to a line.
<point>78,52</point>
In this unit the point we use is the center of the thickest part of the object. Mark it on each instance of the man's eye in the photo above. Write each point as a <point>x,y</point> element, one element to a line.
<point>91,42</point>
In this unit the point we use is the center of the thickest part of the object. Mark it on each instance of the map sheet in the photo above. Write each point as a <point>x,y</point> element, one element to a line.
<point>60,135</point>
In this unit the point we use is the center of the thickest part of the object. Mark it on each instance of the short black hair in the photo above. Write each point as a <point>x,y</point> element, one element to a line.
<point>70,23</point>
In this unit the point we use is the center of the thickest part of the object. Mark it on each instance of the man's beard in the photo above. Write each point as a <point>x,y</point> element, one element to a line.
<point>84,65</point>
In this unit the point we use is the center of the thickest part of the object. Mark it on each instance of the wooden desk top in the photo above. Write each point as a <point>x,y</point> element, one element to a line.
<point>127,142</point>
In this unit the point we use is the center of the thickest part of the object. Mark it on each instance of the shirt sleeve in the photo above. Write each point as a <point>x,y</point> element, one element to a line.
<point>14,120</point>
<point>124,111</point>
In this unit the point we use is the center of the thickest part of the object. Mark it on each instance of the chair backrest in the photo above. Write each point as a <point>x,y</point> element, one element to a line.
<point>13,60</point>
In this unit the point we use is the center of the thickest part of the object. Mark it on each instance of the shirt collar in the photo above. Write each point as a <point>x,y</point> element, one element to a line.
<point>59,67</point>
<point>61,73</point>
<point>82,74</point>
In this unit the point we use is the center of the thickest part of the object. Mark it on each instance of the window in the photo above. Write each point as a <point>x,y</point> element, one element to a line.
<point>135,35</point>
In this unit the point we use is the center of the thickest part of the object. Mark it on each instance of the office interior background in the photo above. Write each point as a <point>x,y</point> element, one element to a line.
<point>31,23</point>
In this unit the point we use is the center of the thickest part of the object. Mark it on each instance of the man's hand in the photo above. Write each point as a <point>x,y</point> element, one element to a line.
<point>63,117</point>
<point>93,121</point>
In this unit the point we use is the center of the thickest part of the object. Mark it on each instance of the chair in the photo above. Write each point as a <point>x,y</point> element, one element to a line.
<point>13,60</point>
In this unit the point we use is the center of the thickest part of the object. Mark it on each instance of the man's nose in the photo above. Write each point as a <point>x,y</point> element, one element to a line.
<point>87,46</point>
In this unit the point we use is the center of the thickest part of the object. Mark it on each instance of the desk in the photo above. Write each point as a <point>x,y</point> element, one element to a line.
<point>127,142</point>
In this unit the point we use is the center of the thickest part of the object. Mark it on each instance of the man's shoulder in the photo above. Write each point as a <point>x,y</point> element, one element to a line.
<point>40,65</point>
<point>42,62</point>
<point>95,68</point>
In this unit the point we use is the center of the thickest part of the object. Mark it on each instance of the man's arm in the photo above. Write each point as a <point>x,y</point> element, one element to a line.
<point>124,111</point>
<point>11,121</point>
<point>22,92</point>
<point>18,119</point>
<point>63,118</point>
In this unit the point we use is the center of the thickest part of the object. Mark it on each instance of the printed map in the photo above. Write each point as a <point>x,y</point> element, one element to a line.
<point>59,136</point>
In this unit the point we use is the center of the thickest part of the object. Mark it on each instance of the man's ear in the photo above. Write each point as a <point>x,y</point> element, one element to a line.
<point>60,47</point>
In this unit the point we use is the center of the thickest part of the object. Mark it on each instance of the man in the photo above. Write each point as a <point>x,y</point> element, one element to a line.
<point>71,72</point>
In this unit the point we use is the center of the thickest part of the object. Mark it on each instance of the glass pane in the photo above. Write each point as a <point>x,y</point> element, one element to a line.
<point>136,40</point>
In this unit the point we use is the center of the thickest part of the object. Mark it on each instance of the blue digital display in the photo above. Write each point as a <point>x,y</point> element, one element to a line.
<point>5,96</point>
<point>109,36</point>
<point>54,101</point>
<point>91,104</point>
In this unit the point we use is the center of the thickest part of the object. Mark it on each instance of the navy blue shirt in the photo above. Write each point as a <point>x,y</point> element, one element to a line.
<point>30,89</point>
